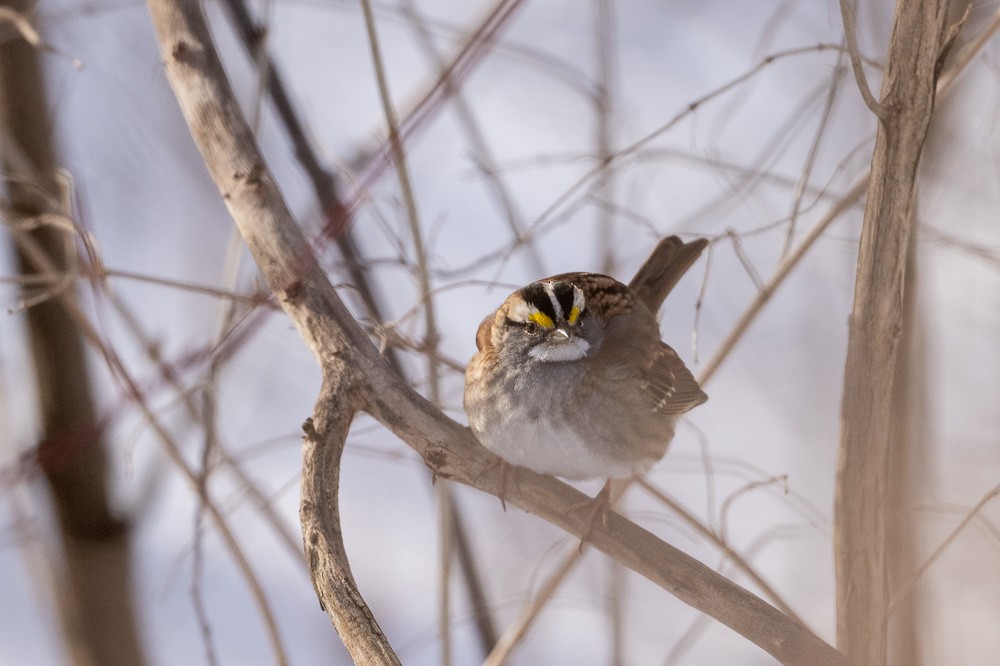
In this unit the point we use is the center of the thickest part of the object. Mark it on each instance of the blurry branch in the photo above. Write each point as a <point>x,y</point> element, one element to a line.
<point>101,273</point>
<point>945,82</point>
<point>91,266</point>
<point>356,378</point>
<point>701,623</point>
<point>405,186</point>
<point>566,72</point>
<point>337,222</point>
<point>335,214</point>
<point>604,189</point>
<point>719,541</point>
<point>572,197</point>
<point>655,153</point>
<point>905,587</point>
<point>788,262</point>
<point>689,109</point>
<point>431,335</point>
<point>989,255</point>
<point>616,608</point>
<point>482,155</point>
<point>860,506</point>
<point>42,263</point>
<point>804,178</point>
<point>516,631</point>
<point>479,41</point>
<point>94,603</point>
<point>21,24</point>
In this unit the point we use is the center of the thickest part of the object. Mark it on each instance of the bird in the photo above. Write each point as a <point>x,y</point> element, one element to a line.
<point>571,378</point>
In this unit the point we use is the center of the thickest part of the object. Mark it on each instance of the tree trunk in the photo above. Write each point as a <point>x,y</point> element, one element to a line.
<point>95,595</point>
<point>876,321</point>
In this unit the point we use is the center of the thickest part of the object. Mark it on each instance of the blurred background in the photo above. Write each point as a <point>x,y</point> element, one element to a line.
<point>740,122</point>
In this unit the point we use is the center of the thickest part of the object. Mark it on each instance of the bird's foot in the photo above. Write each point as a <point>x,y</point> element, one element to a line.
<point>505,471</point>
<point>594,509</point>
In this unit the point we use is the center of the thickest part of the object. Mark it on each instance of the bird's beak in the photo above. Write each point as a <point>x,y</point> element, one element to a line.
<point>561,334</point>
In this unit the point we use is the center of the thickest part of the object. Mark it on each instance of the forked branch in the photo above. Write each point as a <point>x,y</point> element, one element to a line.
<point>357,378</point>
<point>908,91</point>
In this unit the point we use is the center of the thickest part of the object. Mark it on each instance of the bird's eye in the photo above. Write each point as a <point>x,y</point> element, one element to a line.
<point>532,328</point>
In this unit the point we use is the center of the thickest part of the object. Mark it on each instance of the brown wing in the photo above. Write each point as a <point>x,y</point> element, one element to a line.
<point>634,356</point>
<point>671,387</point>
<point>666,385</point>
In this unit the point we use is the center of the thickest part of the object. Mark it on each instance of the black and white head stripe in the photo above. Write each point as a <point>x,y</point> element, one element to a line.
<point>559,301</point>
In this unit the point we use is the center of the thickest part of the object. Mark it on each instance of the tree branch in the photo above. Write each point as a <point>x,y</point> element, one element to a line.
<point>355,376</point>
<point>851,35</point>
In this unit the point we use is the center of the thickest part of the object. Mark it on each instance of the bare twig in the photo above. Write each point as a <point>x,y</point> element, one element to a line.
<point>336,216</point>
<point>118,369</point>
<point>803,183</point>
<point>851,36</point>
<point>517,629</point>
<point>719,541</point>
<point>604,110</point>
<point>481,151</point>
<point>905,587</point>
<point>781,272</point>
<point>431,335</point>
<point>477,44</point>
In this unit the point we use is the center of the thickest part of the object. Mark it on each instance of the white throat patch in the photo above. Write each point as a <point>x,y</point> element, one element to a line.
<point>572,350</point>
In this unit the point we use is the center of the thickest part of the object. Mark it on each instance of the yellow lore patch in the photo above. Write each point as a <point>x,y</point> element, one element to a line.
<point>541,319</point>
<point>574,314</point>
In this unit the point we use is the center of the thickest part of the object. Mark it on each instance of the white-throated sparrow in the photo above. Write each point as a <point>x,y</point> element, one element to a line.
<point>571,377</point>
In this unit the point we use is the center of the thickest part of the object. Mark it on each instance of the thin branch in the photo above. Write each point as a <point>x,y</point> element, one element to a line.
<point>118,369</point>
<point>565,202</point>
<point>851,35</point>
<point>336,216</point>
<point>284,257</point>
<point>803,183</point>
<point>517,629</point>
<point>482,155</point>
<point>476,45</point>
<point>431,336</point>
<point>905,587</point>
<point>789,262</point>
<point>604,189</point>
<point>719,541</point>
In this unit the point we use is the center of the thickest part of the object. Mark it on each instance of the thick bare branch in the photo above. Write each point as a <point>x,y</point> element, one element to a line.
<point>325,435</point>
<point>876,321</point>
<point>291,271</point>
<point>96,606</point>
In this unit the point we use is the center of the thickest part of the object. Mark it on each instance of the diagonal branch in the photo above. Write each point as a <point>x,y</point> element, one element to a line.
<point>356,377</point>
<point>336,216</point>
